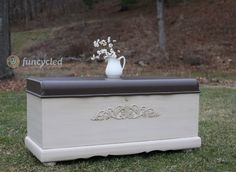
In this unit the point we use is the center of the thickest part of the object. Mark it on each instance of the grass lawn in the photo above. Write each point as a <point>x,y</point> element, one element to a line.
<point>217,130</point>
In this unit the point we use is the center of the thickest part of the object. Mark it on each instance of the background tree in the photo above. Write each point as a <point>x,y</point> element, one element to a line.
<point>161,28</point>
<point>4,39</point>
<point>125,4</point>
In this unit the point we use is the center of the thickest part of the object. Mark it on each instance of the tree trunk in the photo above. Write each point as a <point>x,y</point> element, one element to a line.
<point>4,39</point>
<point>33,8</point>
<point>161,27</point>
<point>26,10</point>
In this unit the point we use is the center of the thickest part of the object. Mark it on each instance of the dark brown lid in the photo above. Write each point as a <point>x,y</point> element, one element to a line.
<point>85,87</point>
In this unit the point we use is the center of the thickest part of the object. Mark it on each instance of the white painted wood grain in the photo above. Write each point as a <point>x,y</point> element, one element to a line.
<point>66,122</point>
<point>34,119</point>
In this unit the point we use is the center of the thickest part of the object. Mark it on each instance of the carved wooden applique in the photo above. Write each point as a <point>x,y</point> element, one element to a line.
<point>125,112</point>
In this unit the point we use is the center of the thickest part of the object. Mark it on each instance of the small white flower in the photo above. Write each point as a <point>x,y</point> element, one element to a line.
<point>106,50</point>
<point>111,50</point>
<point>109,39</point>
<point>95,43</point>
<point>93,58</point>
<point>103,51</point>
<point>99,52</point>
<point>103,42</point>
<point>110,45</point>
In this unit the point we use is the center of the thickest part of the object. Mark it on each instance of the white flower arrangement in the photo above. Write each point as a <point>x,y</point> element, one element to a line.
<point>106,49</point>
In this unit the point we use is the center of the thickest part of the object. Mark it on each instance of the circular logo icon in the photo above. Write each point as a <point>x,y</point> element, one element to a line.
<point>13,61</point>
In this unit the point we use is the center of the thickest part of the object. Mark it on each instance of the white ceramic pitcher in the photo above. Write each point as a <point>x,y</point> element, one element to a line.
<point>114,68</point>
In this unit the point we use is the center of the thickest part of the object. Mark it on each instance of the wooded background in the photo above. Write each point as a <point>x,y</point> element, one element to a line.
<point>27,10</point>
<point>197,36</point>
<point>5,46</point>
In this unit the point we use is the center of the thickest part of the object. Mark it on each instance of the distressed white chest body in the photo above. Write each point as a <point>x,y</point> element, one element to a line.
<point>70,118</point>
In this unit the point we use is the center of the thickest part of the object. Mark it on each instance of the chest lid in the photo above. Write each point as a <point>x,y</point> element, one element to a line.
<point>46,87</point>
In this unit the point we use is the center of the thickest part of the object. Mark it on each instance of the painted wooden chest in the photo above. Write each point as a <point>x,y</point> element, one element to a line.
<point>70,118</point>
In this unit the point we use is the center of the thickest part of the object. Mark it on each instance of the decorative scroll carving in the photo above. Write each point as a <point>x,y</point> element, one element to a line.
<point>125,112</point>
